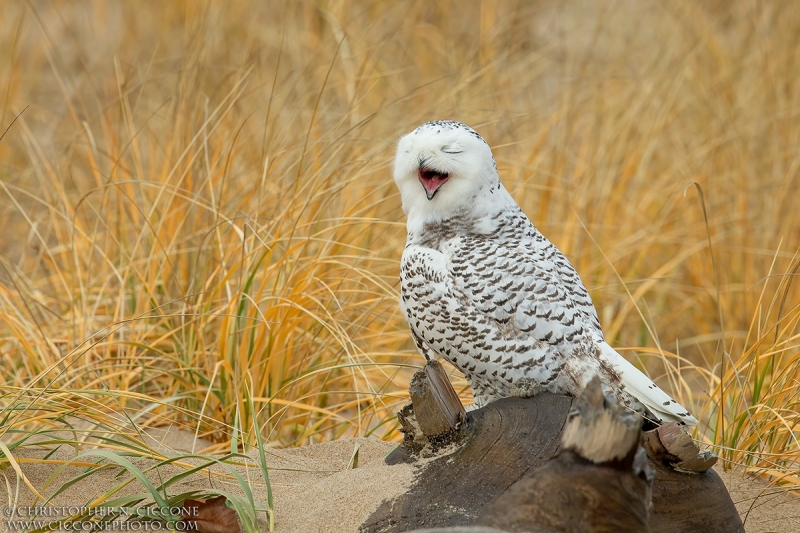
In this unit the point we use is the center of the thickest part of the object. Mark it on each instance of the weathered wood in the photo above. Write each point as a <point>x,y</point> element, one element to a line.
<point>498,444</point>
<point>502,442</point>
<point>467,529</point>
<point>687,494</point>
<point>437,407</point>
<point>434,418</point>
<point>684,503</point>
<point>671,444</point>
<point>413,439</point>
<point>601,431</point>
<point>570,493</point>
<point>599,482</point>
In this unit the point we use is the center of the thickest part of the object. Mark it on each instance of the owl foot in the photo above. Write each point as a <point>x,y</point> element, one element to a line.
<point>525,388</point>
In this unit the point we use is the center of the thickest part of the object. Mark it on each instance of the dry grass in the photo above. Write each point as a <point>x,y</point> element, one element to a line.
<point>201,227</point>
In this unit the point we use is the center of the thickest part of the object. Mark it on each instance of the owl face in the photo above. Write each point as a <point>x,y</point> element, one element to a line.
<point>440,167</point>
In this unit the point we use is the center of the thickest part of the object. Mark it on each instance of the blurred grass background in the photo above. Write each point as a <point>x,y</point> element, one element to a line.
<point>201,229</point>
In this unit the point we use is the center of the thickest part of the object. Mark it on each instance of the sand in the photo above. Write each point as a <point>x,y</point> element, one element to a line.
<point>316,491</point>
<point>764,508</point>
<point>314,488</point>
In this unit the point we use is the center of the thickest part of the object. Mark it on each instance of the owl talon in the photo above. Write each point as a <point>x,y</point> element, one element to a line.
<point>525,388</point>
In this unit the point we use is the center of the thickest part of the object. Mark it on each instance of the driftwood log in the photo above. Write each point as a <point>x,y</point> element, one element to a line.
<point>485,473</point>
<point>599,482</point>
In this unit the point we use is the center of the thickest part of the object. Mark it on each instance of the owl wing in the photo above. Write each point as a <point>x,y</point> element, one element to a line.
<point>527,286</point>
<point>457,325</point>
<point>528,291</point>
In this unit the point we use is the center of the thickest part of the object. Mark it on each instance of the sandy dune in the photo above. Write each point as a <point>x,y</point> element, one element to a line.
<point>315,491</point>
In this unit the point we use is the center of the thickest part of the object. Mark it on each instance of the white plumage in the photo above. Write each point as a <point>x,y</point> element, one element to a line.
<point>484,289</point>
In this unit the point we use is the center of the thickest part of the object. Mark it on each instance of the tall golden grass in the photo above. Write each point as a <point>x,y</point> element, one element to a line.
<point>201,227</point>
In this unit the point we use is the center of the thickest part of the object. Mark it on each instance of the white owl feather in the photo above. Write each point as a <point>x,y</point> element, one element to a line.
<point>484,289</point>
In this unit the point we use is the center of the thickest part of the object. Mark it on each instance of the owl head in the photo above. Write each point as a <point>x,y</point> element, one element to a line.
<point>443,167</point>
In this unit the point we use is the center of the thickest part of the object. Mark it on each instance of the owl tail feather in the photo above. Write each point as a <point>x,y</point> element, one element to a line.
<point>643,389</point>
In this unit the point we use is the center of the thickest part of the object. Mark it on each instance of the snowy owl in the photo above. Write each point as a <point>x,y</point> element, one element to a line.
<point>482,288</point>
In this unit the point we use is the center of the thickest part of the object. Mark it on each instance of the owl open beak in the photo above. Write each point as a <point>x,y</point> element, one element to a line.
<point>432,181</point>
